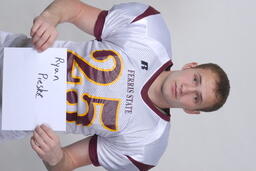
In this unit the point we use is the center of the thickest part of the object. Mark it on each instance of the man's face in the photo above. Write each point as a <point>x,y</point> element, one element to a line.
<point>191,89</point>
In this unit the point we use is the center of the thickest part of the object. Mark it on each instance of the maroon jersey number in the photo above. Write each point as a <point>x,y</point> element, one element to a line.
<point>108,107</point>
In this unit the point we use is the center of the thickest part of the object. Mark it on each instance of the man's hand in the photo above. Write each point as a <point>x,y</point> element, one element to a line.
<point>47,145</point>
<point>43,31</point>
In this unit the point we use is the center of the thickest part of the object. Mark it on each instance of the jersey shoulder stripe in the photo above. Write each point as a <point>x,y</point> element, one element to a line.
<point>93,151</point>
<point>99,24</point>
<point>139,165</point>
<point>148,12</point>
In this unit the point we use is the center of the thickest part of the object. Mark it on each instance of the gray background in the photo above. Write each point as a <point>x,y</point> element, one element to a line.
<point>219,31</point>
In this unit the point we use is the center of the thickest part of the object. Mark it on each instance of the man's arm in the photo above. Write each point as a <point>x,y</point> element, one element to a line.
<point>47,145</point>
<point>43,31</point>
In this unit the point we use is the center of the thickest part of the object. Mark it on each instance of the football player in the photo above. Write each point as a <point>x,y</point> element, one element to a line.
<point>120,86</point>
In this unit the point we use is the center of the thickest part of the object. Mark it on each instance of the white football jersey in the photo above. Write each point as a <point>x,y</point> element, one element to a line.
<point>107,87</point>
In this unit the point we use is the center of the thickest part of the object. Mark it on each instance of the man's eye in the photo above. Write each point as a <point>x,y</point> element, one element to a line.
<point>195,99</point>
<point>195,79</point>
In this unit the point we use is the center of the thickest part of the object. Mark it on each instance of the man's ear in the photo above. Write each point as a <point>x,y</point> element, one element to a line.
<point>190,65</point>
<point>191,111</point>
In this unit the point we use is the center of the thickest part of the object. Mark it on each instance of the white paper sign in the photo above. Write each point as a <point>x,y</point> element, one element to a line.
<point>34,88</point>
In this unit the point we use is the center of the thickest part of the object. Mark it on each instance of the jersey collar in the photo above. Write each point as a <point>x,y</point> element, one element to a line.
<point>144,92</point>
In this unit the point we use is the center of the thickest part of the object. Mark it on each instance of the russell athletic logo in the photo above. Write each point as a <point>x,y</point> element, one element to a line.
<point>144,65</point>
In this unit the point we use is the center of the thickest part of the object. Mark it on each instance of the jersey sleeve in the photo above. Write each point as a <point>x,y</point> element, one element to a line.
<point>110,156</point>
<point>138,29</point>
<point>135,151</point>
<point>113,23</point>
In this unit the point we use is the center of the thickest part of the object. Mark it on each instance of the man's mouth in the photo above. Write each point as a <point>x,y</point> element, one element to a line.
<point>176,93</point>
<point>174,90</point>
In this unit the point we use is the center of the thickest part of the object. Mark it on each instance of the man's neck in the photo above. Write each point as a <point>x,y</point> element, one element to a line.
<point>155,91</point>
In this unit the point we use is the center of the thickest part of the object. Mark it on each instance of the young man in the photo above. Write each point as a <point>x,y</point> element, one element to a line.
<point>120,86</point>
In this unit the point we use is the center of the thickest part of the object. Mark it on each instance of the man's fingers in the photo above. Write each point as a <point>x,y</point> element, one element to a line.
<point>47,148</point>
<point>43,133</point>
<point>43,33</point>
<point>36,147</point>
<point>43,40</point>
<point>38,34</point>
<point>49,131</point>
<point>41,142</point>
<point>49,42</point>
<point>36,24</point>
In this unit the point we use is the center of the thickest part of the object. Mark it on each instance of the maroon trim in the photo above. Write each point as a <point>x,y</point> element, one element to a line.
<point>99,25</point>
<point>93,151</point>
<point>148,12</point>
<point>144,91</point>
<point>139,165</point>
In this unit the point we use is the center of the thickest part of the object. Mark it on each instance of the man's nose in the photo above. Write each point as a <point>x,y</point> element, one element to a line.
<point>186,89</point>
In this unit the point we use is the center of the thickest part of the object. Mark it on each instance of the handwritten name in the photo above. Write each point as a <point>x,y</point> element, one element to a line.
<point>43,78</point>
<point>56,66</point>
<point>40,89</point>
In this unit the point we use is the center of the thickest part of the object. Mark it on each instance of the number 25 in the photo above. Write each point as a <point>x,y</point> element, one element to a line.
<point>109,108</point>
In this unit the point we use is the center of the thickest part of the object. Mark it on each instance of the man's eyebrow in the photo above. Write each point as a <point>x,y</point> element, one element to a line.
<point>200,83</point>
<point>200,98</point>
<point>200,78</point>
